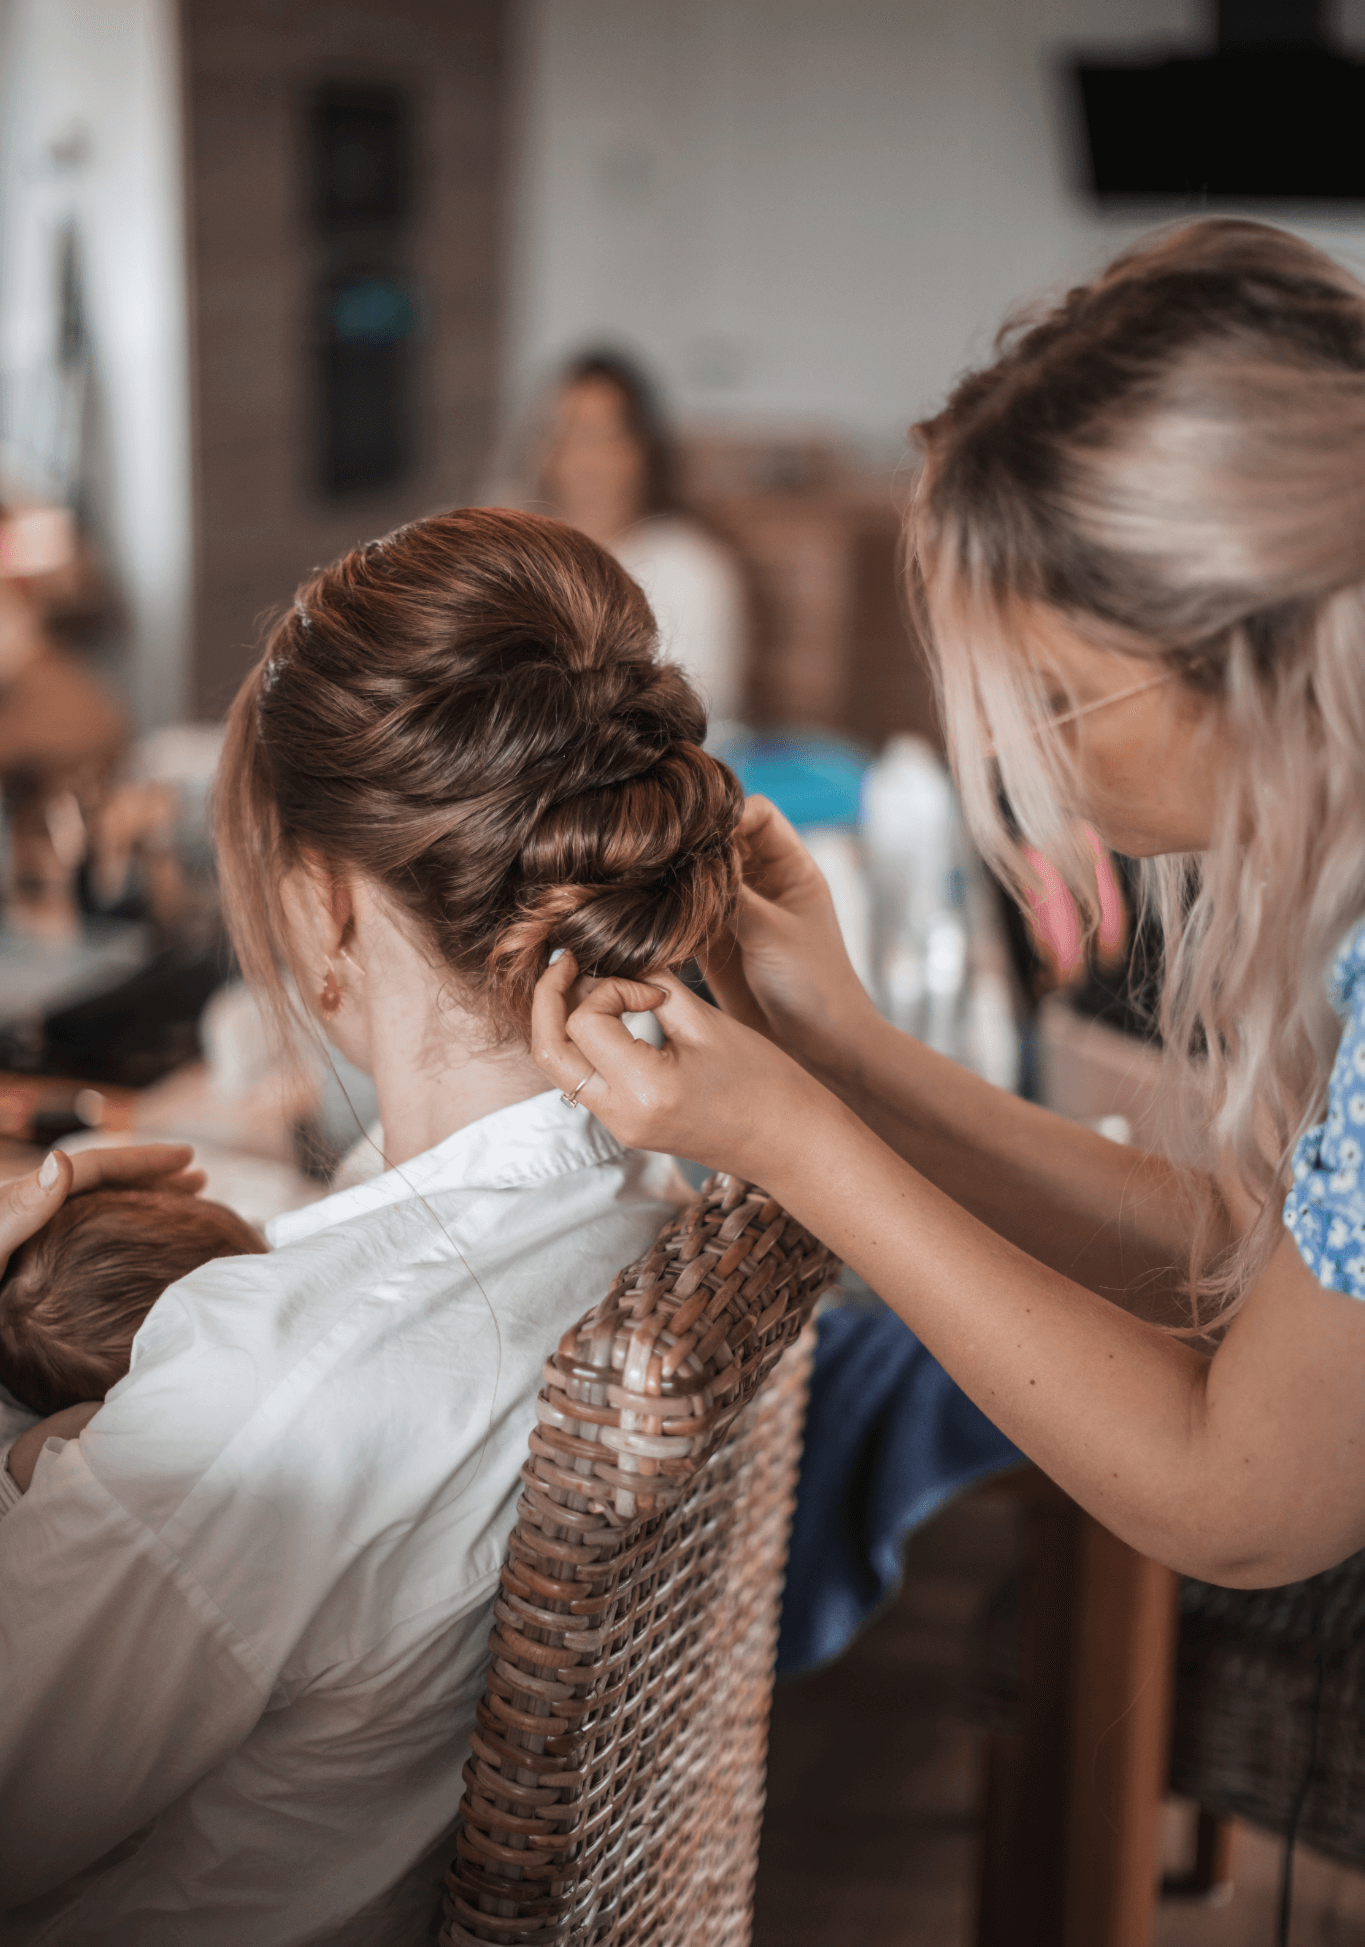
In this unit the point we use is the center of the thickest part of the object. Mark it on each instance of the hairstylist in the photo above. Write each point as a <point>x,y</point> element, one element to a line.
<point>1139,546</point>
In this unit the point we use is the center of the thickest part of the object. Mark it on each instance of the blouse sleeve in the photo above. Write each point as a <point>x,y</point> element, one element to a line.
<point>1325,1209</point>
<point>14,1420</point>
<point>120,1682</point>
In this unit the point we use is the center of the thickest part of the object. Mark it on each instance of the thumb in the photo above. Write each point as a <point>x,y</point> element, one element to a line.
<point>722,962</point>
<point>48,1186</point>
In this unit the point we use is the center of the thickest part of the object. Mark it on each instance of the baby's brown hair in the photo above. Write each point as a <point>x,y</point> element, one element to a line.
<point>473,713</point>
<point>75,1294</point>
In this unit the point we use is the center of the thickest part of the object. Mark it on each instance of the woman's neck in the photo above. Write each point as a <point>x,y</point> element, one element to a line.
<point>436,1063</point>
<point>436,1066</point>
<point>419,1110</point>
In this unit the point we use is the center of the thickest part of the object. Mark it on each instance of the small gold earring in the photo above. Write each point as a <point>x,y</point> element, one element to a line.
<point>331,997</point>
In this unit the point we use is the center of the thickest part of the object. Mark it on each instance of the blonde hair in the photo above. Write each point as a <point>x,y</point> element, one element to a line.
<point>1173,461</point>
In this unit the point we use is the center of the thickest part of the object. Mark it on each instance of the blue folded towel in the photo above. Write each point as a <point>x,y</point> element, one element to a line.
<point>813,780</point>
<point>889,1439</point>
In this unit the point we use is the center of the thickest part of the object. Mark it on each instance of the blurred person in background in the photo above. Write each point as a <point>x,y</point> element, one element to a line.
<point>61,733</point>
<point>1139,548</point>
<point>607,463</point>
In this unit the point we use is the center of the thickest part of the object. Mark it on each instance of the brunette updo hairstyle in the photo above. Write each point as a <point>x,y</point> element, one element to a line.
<point>472,713</point>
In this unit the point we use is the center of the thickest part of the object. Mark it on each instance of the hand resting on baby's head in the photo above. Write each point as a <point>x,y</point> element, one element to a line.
<point>73,1297</point>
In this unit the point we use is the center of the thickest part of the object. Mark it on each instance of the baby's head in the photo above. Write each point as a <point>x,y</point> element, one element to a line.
<point>473,717</point>
<point>75,1294</point>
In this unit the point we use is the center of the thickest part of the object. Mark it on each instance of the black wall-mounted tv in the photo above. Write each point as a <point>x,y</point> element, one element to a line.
<point>1274,112</point>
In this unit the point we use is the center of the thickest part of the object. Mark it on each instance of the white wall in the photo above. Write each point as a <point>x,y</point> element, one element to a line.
<point>806,209</point>
<point>90,114</point>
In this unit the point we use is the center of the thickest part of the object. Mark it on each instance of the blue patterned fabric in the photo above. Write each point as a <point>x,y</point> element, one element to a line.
<point>1325,1210</point>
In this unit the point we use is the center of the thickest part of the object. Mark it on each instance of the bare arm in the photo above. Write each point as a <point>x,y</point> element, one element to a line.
<point>1248,1468</point>
<point>1113,1218</point>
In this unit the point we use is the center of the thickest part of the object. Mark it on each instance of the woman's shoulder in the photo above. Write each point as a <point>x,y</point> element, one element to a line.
<point>674,542</point>
<point>213,1349</point>
<point>1346,981</point>
<point>1325,1208</point>
<point>416,1313</point>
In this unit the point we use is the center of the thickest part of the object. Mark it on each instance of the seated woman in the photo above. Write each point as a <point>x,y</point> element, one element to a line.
<point>247,1612</point>
<point>608,464</point>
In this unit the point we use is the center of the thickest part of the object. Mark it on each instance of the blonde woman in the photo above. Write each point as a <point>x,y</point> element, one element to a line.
<point>608,465</point>
<point>1139,547</point>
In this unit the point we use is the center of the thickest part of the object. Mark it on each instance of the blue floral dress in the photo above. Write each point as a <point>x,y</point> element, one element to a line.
<point>1325,1210</point>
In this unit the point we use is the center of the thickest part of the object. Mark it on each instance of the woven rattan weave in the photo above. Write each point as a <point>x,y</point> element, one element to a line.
<point>1244,1689</point>
<point>615,1786</point>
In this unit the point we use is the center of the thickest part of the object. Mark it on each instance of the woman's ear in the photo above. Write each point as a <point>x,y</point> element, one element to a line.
<point>328,899</point>
<point>342,906</point>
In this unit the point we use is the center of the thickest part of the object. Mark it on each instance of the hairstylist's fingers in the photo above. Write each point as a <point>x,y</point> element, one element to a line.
<point>549,1012</point>
<point>596,1034</point>
<point>630,1085</point>
<point>560,995</point>
<point>28,1201</point>
<point>775,861</point>
<point>164,1166</point>
<point>621,1062</point>
<point>722,962</point>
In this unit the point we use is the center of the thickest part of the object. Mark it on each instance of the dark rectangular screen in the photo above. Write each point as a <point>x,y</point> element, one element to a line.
<point>1251,121</point>
<point>362,167</point>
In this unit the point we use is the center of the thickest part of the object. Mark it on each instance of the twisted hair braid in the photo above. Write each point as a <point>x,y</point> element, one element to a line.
<point>473,713</point>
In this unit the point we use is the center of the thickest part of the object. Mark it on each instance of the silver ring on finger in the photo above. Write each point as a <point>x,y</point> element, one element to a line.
<point>571,1101</point>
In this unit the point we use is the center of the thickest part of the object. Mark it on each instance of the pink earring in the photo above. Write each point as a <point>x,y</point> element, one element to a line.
<point>331,996</point>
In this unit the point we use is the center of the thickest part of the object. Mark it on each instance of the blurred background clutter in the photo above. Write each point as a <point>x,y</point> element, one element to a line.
<point>276,277</point>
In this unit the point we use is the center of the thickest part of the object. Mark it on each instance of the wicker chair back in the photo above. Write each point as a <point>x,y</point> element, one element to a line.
<point>1247,1672</point>
<point>615,1785</point>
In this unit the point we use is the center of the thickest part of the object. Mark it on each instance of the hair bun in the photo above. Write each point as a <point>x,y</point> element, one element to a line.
<point>473,714</point>
<point>630,877</point>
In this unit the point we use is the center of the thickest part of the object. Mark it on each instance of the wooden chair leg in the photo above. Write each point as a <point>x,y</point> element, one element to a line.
<point>1217,1843</point>
<point>1023,1841</point>
<point>1120,1736</point>
<point>1073,1801</point>
<point>1214,1868</point>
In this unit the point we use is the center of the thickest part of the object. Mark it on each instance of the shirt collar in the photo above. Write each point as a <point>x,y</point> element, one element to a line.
<point>528,1142</point>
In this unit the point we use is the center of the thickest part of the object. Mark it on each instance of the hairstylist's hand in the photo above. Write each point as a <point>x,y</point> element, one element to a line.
<point>783,968</point>
<point>28,1201</point>
<point>716,1091</point>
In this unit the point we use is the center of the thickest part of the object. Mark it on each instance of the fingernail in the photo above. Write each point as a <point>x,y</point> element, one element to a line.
<point>558,954</point>
<point>50,1171</point>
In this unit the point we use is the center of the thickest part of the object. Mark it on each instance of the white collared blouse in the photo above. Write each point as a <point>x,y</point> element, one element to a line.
<point>243,1618</point>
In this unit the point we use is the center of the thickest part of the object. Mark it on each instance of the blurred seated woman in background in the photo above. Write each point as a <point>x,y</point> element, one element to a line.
<point>1139,544</point>
<point>608,465</point>
<point>61,731</point>
<point>245,1615</point>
